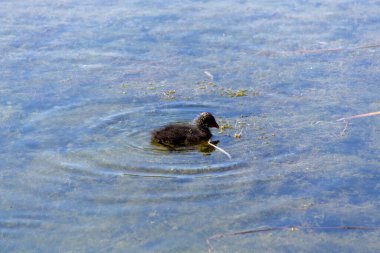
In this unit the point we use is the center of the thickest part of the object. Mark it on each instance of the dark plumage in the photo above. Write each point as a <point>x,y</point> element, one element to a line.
<point>186,134</point>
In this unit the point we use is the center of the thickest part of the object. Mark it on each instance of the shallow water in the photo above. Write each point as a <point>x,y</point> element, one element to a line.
<point>84,84</point>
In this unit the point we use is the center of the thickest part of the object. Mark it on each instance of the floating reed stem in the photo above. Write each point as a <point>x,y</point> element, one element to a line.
<point>359,116</point>
<point>288,228</point>
<point>220,149</point>
<point>347,119</point>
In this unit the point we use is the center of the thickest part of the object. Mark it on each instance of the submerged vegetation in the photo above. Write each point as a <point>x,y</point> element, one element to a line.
<point>237,93</point>
<point>214,88</point>
<point>169,94</point>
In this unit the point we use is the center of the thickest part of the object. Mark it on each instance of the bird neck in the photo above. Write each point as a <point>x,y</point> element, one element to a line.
<point>199,123</point>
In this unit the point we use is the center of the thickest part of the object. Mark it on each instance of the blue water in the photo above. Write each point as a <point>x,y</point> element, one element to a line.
<point>83,84</point>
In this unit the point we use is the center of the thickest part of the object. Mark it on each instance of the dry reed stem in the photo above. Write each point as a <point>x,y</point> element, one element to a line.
<point>359,116</point>
<point>318,51</point>
<point>290,228</point>
<point>220,149</point>
<point>347,119</point>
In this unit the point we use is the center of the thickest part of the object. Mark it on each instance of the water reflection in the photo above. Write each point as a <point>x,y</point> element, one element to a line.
<point>203,148</point>
<point>78,171</point>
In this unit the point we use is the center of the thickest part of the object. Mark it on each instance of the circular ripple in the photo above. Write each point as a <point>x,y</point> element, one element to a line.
<point>128,149</point>
<point>114,138</point>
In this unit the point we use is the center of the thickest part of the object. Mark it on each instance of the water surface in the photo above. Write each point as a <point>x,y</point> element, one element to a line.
<point>84,84</point>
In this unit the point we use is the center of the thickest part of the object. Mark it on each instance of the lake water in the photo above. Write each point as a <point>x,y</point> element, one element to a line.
<point>84,83</point>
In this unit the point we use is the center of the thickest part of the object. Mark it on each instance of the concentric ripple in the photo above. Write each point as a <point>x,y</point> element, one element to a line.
<point>114,139</point>
<point>128,149</point>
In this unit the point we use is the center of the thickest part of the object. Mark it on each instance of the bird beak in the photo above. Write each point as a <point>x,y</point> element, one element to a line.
<point>215,125</point>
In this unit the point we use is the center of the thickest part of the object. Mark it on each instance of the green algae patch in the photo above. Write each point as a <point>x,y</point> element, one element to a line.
<point>238,93</point>
<point>212,87</point>
<point>224,127</point>
<point>170,94</point>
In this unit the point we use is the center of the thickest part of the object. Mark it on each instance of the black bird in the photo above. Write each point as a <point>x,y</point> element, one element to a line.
<point>174,135</point>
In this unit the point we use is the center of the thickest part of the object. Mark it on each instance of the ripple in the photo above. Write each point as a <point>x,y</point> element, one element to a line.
<point>111,137</point>
<point>131,152</point>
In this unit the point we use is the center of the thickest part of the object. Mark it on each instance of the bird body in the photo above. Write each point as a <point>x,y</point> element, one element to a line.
<point>186,134</point>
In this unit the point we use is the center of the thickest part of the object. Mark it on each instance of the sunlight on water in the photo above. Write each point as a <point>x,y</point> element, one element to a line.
<point>84,84</point>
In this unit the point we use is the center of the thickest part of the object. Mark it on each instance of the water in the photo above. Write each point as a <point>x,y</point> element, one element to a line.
<point>84,84</point>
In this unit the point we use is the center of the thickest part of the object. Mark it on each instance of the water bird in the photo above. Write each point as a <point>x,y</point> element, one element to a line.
<point>175,135</point>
